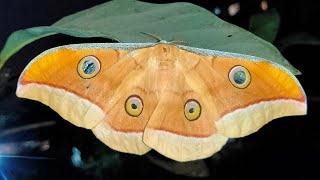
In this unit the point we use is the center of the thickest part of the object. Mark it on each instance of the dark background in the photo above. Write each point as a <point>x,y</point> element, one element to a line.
<point>287,148</point>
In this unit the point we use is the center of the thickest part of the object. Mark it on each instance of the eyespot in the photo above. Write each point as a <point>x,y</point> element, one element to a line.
<point>88,67</point>
<point>134,105</point>
<point>239,77</point>
<point>192,109</point>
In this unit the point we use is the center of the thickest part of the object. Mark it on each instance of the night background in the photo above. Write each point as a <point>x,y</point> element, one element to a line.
<point>287,148</point>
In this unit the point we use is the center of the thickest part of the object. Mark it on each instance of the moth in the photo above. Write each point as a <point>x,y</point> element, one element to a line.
<point>181,101</point>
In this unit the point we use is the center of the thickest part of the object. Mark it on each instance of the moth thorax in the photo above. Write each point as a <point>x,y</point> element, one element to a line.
<point>166,56</point>
<point>165,64</point>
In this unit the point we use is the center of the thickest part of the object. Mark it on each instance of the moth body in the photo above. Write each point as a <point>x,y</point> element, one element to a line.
<point>181,101</point>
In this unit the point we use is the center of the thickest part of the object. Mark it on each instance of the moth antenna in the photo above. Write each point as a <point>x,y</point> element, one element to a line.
<point>152,35</point>
<point>159,39</point>
<point>116,39</point>
<point>178,41</point>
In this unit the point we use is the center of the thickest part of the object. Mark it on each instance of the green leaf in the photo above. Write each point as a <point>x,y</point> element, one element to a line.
<point>265,24</point>
<point>124,20</point>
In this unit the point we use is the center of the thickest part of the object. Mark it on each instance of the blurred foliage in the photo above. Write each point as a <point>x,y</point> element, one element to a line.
<point>298,38</point>
<point>265,24</point>
<point>4,77</point>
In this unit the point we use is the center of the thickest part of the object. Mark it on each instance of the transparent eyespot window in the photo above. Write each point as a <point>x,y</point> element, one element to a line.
<point>239,77</point>
<point>88,67</point>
